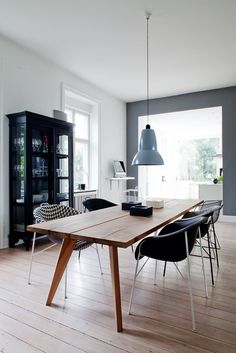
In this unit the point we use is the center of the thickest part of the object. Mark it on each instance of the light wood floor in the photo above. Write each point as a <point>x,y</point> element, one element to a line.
<point>161,319</point>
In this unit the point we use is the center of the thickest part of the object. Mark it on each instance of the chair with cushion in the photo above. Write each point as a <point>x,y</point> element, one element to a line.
<point>174,244</point>
<point>95,204</point>
<point>46,212</point>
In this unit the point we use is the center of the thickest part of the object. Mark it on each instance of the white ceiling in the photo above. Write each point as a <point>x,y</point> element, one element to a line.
<point>192,42</point>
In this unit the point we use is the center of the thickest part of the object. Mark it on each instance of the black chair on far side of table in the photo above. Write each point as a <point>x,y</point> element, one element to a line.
<point>95,204</point>
<point>46,212</point>
<point>174,245</point>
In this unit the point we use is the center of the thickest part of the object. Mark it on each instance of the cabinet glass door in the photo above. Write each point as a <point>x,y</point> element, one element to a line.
<point>19,171</point>
<point>41,166</point>
<point>62,168</point>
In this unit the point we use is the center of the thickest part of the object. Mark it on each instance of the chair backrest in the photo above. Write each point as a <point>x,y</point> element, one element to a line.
<point>94,204</point>
<point>208,213</point>
<point>170,245</point>
<point>209,203</point>
<point>46,212</point>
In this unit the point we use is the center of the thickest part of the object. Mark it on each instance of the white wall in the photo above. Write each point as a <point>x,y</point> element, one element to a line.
<point>28,82</point>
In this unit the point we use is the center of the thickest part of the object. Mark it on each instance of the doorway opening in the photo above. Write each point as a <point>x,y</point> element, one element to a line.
<point>190,143</point>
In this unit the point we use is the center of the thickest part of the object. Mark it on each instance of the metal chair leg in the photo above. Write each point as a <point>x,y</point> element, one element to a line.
<point>66,272</point>
<point>134,281</point>
<point>210,258</point>
<point>203,266</point>
<point>155,275</point>
<point>164,270</point>
<point>99,260</point>
<point>215,243</point>
<point>190,284</point>
<point>33,253</point>
<point>31,257</point>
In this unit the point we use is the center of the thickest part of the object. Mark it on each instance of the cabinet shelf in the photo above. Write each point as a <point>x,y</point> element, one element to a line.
<point>59,155</point>
<point>19,204</point>
<point>40,154</point>
<point>40,177</point>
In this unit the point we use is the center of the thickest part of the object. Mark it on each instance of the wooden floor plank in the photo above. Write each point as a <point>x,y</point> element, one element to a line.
<point>161,321</point>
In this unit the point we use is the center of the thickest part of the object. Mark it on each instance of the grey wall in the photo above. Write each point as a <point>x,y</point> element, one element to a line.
<point>226,98</point>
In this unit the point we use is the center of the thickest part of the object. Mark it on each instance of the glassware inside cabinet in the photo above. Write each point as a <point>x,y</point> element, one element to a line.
<point>62,144</point>
<point>40,143</point>
<point>18,163</point>
<point>63,189</point>
<point>62,170</point>
<point>40,181</point>
<point>39,167</point>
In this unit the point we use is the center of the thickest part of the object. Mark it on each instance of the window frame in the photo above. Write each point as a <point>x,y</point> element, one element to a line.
<point>80,140</point>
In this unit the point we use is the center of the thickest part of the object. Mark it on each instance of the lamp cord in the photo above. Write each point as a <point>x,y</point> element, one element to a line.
<point>147,17</point>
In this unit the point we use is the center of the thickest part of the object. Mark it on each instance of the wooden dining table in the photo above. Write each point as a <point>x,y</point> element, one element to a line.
<point>112,227</point>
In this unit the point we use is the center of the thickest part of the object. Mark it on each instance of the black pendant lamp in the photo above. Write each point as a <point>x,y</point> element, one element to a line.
<point>148,153</point>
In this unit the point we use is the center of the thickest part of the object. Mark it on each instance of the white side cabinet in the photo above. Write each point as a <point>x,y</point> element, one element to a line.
<point>211,191</point>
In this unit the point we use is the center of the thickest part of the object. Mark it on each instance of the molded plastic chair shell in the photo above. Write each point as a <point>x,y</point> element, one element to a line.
<point>95,204</point>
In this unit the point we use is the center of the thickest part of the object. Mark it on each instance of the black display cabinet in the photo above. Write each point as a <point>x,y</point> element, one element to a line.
<point>41,168</point>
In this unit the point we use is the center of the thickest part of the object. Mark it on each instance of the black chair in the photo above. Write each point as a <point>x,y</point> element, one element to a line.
<point>205,230</point>
<point>95,204</point>
<point>174,244</point>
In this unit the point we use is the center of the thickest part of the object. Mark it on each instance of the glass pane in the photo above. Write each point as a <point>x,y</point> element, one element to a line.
<point>18,162</point>
<point>63,189</point>
<point>40,141</point>
<point>82,126</point>
<point>39,167</point>
<point>62,170</point>
<point>39,179</point>
<point>81,163</point>
<point>62,144</point>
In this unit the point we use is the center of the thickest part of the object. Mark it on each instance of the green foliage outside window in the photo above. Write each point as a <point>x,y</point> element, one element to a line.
<point>197,159</point>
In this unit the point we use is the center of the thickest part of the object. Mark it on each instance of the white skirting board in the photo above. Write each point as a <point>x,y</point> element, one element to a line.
<point>224,218</point>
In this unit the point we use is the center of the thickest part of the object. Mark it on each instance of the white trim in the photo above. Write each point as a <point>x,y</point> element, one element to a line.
<point>86,98</point>
<point>96,104</point>
<point>224,218</point>
<point>99,148</point>
<point>3,240</point>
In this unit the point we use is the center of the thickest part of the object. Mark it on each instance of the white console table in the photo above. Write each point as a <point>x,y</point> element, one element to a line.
<point>118,180</point>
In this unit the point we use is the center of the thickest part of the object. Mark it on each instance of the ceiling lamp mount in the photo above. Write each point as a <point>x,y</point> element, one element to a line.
<point>148,153</point>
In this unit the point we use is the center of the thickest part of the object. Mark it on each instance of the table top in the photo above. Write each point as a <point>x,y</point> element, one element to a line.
<point>112,226</point>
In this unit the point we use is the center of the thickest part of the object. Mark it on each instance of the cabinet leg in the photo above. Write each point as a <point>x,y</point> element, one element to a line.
<point>12,241</point>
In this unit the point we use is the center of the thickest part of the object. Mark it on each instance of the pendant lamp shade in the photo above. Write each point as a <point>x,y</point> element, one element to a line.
<point>148,154</point>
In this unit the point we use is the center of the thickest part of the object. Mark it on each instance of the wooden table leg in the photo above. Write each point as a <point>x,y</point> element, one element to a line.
<point>67,247</point>
<point>116,285</point>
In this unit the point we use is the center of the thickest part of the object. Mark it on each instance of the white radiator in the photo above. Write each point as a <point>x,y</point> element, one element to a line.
<point>80,196</point>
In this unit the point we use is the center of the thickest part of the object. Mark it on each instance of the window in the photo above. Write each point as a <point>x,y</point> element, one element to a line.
<point>81,145</point>
<point>83,111</point>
